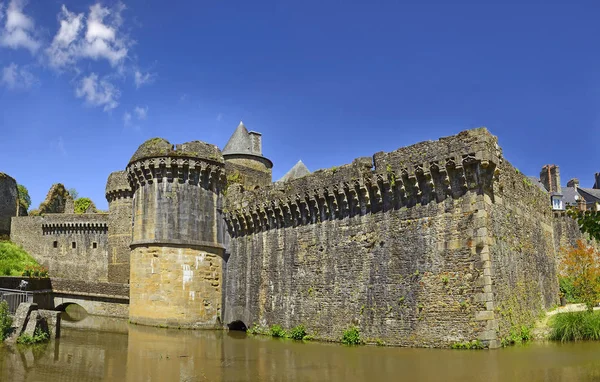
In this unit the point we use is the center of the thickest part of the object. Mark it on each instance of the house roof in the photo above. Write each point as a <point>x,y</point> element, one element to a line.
<point>569,194</point>
<point>590,194</point>
<point>536,181</point>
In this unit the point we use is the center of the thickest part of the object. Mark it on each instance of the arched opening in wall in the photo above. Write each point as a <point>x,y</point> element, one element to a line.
<point>237,325</point>
<point>72,312</point>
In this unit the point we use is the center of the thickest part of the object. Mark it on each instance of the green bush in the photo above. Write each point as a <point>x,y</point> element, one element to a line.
<point>518,335</point>
<point>575,326</point>
<point>567,289</point>
<point>38,337</point>
<point>258,330</point>
<point>82,204</point>
<point>468,345</point>
<point>298,333</point>
<point>351,336</point>
<point>277,331</point>
<point>14,260</point>
<point>5,320</point>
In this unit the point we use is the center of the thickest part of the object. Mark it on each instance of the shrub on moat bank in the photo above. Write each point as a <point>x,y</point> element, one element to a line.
<point>5,320</point>
<point>575,326</point>
<point>14,260</point>
<point>38,337</point>
<point>351,336</point>
<point>296,333</point>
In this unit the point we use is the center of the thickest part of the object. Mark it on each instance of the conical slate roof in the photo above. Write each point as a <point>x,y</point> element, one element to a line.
<point>298,171</point>
<point>240,142</point>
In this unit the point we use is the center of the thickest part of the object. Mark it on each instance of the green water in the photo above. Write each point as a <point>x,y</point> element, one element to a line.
<point>116,351</point>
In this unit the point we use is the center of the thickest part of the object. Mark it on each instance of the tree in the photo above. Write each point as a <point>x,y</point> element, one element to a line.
<point>581,264</point>
<point>73,192</point>
<point>82,205</point>
<point>24,198</point>
<point>589,222</point>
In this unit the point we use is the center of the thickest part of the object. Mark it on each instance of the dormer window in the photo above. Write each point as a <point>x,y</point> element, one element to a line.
<point>557,202</point>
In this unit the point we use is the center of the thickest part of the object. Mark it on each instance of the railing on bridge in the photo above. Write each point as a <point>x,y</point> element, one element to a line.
<point>14,298</point>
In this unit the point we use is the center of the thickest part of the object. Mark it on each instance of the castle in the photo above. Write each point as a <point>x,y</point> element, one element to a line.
<point>429,245</point>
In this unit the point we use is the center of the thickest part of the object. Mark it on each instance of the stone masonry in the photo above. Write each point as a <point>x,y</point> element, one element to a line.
<point>430,245</point>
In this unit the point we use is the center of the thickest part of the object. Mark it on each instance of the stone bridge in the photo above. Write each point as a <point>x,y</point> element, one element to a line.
<point>97,298</point>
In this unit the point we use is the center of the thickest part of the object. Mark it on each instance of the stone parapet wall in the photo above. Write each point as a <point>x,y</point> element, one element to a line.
<point>73,246</point>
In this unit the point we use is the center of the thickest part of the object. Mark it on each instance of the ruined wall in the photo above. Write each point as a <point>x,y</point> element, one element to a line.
<point>71,246</point>
<point>177,244</point>
<point>392,249</point>
<point>522,255</point>
<point>8,202</point>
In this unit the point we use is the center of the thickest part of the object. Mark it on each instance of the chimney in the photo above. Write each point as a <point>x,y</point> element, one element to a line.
<point>550,178</point>
<point>573,183</point>
<point>597,180</point>
<point>255,143</point>
<point>581,204</point>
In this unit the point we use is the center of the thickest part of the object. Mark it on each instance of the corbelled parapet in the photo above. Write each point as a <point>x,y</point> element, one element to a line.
<point>418,174</point>
<point>177,234</point>
<point>117,186</point>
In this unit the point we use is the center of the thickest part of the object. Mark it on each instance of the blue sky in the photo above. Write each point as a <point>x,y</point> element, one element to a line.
<point>83,84</point>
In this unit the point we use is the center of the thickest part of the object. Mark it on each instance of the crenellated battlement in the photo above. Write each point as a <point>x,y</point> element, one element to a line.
<point>68,228</point>
<point>415,175</point>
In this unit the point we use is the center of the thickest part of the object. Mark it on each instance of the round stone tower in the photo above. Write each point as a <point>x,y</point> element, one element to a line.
<point>177,243</point>
<point>244,161</point>
<point>120,206</point>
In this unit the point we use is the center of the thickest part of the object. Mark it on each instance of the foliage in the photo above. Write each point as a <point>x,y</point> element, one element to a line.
<point>575,326</point>
<point>351,336</point>
<point>468,345</point>
<point>277,331</point>
<point>35,271</point>
<point>581,265</point>
<point>298,333</point>
<point>13,259</point>
<point>517,335</point>
<point>589,221</point>
<point>73,192</point>
<point>258,330</point>
<point>82,205</point>
<point>39,336</point>
<point>24,198</point>
<point>5,320</point>
<point>567,289</point>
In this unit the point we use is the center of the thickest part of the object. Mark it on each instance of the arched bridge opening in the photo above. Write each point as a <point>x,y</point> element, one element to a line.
<point>237,325</point>
<point>72,311</point>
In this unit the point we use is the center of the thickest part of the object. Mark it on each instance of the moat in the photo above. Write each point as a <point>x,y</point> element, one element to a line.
<point>138,353</point>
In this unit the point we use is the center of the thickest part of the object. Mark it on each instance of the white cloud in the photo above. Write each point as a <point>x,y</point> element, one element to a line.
<point>63,50</point>
<point>17,78</point>
<point>101,37</point>
<point>60,146</point>
<point>142,78</point>
<point>98,92</point>
<point>141,112</point>
<point>219,117</point>
<point>19,28</point>
<point>101,40</point>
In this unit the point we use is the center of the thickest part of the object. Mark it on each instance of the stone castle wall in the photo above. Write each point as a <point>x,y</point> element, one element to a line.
<point>120,223</point>
<point>71,246</point>
<point>8,202</point>
<point>429,245</point>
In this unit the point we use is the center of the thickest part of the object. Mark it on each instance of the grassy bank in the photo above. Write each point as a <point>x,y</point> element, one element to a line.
<point>14,260</point>
<point>575,326</point>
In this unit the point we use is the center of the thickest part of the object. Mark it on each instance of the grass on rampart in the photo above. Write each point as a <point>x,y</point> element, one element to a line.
<point>575,326</point>
<point>14,260</point>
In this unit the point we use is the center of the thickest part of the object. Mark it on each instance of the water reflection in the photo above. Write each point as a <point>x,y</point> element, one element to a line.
<point>152,354</point>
